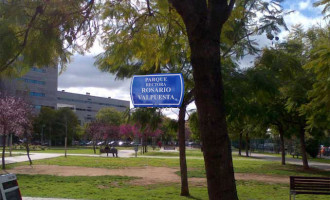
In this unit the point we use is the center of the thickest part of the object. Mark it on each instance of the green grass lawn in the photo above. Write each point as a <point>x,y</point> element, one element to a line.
<point>264,167</point>
<point>195,166</point>
<point>189,153</point>
<point>116,187</point>
<point>110,162</point>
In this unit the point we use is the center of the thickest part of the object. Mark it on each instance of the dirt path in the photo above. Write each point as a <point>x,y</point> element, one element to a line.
<point>146,175</point>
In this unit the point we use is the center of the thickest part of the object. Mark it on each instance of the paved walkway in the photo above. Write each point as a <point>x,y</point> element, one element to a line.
<point>33,156</point>
<point>295,161</point>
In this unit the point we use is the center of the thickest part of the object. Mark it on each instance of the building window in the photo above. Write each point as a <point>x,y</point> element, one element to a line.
<point>38,70</point>
<point>32,81</point>
<point>97,103</point>
<point>37,94</point>
<point>37,107</point>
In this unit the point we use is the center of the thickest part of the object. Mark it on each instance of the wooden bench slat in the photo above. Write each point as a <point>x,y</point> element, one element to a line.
<point>311,185</point>
<point>315,183</point>
<point>322,193</point>
<point>313,189</point>
<point>306,178</point>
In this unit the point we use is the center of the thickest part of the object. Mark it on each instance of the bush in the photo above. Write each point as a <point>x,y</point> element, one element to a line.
<point>312,147</point>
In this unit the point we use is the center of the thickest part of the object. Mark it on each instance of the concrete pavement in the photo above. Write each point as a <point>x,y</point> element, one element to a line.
<point>295,161</point>
<point>33,156</point>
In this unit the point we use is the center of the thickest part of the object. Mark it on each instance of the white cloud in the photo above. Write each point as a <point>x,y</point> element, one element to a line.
<point>304,4</point>
<point>298,18</point>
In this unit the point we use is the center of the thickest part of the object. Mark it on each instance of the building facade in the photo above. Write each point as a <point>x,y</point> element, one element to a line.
<point>86,106</point>
<point>39,88</point>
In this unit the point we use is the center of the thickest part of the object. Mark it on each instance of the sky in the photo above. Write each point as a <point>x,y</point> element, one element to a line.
<point>82,76</point>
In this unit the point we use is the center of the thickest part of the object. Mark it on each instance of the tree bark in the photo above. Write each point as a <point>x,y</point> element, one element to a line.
<point>146,144</point>
<point>3,151</point>
<point>209,99</point>
<point>203,23</point>
<point>28,151</point>
<point>10,144</point>
<point>240,143</point>
<point>183,162</point>
<point>303,147</point>
<point>94,147</point>
<point>247,144</point>
<point>281,131</point>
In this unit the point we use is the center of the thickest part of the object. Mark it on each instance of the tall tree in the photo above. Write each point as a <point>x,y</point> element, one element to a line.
<point>94,132</point>
<point>204,21</point>
<point>66,124</point>
<point>130,52</point>
<point>45,122</point>
<point>317,109</point>
<point>148,119</point>
<point>194,126</point>
<point>14,118</point>
<point>285,70</point>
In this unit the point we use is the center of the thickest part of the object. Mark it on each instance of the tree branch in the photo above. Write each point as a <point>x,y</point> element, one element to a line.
<point>38,10</point>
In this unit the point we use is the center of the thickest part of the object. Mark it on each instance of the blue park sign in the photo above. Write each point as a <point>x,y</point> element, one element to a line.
<point>157,90</point>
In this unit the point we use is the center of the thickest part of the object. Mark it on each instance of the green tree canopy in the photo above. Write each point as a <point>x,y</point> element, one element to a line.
<point>110,116</point>
<point>44,33</point>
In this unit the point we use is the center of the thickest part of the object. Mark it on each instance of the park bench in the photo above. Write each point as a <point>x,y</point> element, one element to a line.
<point>112,150</point>
<point>309,185</point>
<point>295,153</point>
<point>169,147</point>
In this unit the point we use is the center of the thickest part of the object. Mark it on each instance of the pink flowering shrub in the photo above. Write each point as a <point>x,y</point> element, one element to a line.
<point>15,117</point>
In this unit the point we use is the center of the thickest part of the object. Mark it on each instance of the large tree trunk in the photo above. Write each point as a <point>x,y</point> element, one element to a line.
<point>183,162</point>
<point>3,151</point>
<point>240,143</point>
<point>146,143</point>
<point>209,99</point>
<point>247,144</point>
<point>303,147</point>
<point>204,21</point>
<point>281,131</point>
<point>142,144</point>
<point>28,151</point>
<point>10,144</point>
<point>94,146</point>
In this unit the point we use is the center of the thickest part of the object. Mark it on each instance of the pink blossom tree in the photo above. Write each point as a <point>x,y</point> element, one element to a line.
<point>94,132</point>
<point>136,131</point>
<point>26,135</point>
<point>129,131</point>
<point>109,132</point>
<point>15,117</point>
